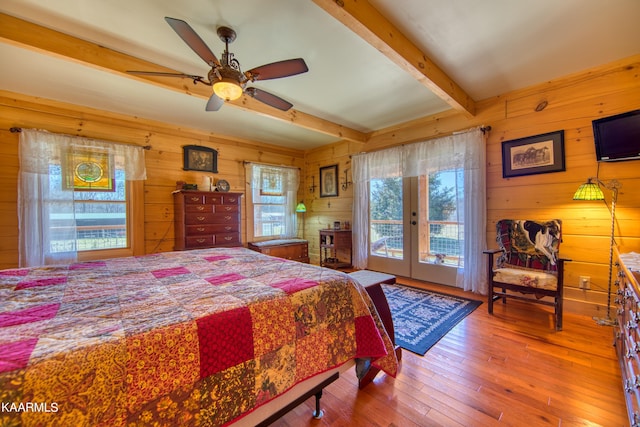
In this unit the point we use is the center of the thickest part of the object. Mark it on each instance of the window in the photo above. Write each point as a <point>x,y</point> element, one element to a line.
<point>386,232</point>
<point>444,228</point>
<point>272,198</point>
<point>99,221</point>
<point>78,199</point>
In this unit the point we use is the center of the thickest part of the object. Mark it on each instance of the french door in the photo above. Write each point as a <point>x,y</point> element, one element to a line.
<point>414,230</point>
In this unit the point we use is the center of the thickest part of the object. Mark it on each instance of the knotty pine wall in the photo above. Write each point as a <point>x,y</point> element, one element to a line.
<point>573,102</point>
<point>164,161</point>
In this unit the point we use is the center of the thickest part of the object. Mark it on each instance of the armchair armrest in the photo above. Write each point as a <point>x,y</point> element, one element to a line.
<point>492,251</point>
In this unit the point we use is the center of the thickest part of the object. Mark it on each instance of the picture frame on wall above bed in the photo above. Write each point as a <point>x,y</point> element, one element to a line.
<point>532,155</point>
<point>329,181</point>
<point>198,158</point>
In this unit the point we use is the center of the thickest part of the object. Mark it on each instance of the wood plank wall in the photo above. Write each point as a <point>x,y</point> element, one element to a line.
<point>164,161</point>
<point>573,102</point>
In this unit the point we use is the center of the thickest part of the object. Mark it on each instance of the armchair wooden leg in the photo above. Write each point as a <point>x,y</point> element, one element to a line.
<point>490,299</point>
<point>558,313</point>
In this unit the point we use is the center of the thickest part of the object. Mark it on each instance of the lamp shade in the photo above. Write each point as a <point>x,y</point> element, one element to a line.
<point>227,89</point>
<point>301,207</point>
<point>589,191</point>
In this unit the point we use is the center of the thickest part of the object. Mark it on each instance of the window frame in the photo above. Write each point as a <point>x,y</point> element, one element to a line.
<point>290,199</point>
<point>135,227</point>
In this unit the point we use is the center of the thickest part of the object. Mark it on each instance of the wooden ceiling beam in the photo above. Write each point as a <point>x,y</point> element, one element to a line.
<point>28,35</point>
<point>363,19</point>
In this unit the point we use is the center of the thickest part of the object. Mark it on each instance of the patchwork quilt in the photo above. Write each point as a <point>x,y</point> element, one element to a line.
<point>180,338</point>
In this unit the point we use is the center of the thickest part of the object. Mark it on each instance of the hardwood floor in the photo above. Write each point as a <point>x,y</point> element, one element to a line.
<point>509,369</point>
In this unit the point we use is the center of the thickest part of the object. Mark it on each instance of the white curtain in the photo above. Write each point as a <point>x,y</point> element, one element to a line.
<point>378,164</point>
<point>290,181</point>
<point>465,150</point>
<point>40,190</point>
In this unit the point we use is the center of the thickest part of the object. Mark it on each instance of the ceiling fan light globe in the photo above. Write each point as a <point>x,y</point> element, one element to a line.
<point>227,89</point>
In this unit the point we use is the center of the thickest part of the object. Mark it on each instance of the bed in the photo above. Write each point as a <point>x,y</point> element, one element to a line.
<point>201,337</point>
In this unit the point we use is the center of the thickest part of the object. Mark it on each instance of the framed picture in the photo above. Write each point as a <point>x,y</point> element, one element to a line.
<point>533,155</point>
<point>329,181</point>
<point>197,158</point>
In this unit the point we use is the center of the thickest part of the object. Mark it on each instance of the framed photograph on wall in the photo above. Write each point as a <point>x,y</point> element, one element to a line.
<point>197,158</point>
<point>329,181</point>
<point>533,155</point>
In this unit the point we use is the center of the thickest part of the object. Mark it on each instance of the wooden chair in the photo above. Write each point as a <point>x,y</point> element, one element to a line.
<point>528,264</point>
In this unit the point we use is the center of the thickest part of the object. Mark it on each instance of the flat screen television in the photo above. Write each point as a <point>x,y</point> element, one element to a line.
<point>617,137</point>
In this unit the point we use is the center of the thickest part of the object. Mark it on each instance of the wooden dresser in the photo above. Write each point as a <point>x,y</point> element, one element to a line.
<point>293,249</point>
<point>205,219</point>
<point>626,334</point>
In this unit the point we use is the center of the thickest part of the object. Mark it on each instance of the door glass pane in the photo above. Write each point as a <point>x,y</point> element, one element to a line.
<point>441,227</point>
<point>385,207</point>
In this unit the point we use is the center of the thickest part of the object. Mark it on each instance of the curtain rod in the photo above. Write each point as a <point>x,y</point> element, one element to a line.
<point>246,162</point>
<point>144,147</point>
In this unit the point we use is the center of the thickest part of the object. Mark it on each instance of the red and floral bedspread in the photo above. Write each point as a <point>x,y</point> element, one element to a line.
<point>180,338</point>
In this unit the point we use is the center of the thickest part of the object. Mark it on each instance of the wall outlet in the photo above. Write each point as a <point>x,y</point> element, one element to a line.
<point>585,282</point>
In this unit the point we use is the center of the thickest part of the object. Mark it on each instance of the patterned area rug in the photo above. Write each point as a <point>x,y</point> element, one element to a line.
<point>421,318</point>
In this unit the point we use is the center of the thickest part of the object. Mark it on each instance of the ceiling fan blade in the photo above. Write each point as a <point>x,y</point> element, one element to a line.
<point>276,70</point>
<point>193,40</point>
<point>268,98</point>
<point>214,103</point>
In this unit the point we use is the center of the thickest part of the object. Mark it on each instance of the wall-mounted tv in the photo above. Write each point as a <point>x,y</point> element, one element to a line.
<point>617,137</point>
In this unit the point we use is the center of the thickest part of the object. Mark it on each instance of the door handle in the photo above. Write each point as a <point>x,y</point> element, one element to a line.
<point>413,223</point>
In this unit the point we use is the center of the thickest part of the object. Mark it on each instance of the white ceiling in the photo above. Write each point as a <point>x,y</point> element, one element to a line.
<point>487,47</point>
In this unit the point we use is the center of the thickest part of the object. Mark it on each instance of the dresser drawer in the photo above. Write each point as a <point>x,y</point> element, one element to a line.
<point>198,208</point>
<point>227,239</point>
<point>230,199</point>
<point>204,241</point>
<point>226,208</point>
<point>213,199</point>
<point>197,198</point>
<point>197,230</point>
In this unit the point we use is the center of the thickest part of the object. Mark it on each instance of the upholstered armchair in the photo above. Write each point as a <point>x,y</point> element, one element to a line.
<point>528,267</point>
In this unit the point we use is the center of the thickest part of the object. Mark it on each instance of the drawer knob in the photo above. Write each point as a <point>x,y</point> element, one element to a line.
<point>228,217</point>
<point>200,218</point>
<point>227,228</point>
<point>232,199</point>
<point>227,238</point>
<point>200,229</point>
<point>200,208</point>
<point>200,240</point>
<point>195,199</point>
<point>228,208</point>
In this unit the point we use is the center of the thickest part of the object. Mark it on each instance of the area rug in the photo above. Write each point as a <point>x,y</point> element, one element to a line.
<point>421,318</point>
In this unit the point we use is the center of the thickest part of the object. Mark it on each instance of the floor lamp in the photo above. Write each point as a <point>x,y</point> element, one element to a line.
<point>301,208</point>
<point>590,190</point>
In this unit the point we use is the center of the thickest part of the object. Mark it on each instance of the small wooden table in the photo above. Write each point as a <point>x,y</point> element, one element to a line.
<point>372,281</point>
<point>332,244</point>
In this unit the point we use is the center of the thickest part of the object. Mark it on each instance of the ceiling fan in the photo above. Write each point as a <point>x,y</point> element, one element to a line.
<point>226,77</point>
